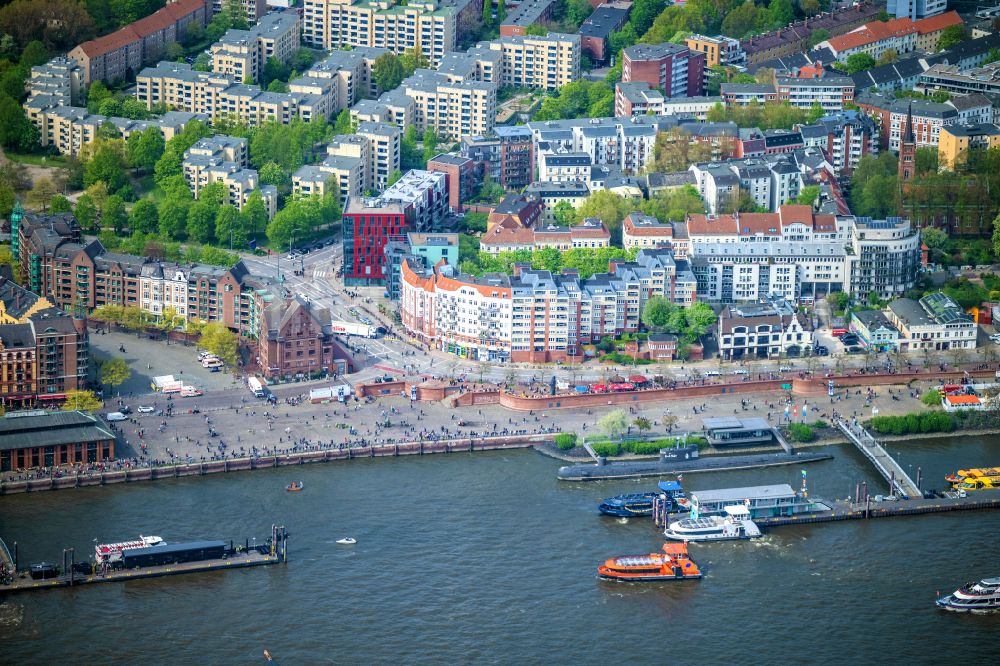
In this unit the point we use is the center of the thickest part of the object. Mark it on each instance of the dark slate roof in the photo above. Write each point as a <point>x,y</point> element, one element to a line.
<point>40,428</point>
<point>16,299</point>
<point>17,336</point>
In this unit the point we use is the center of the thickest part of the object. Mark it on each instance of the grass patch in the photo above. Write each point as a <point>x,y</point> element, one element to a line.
<point>37,160</point>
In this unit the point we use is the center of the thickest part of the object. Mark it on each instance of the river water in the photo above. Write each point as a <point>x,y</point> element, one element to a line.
<point>486,558</point>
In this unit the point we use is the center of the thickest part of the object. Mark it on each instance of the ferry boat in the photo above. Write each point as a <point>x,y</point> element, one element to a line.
<point>736,524</point>
<point>112,552</point>
<point>975,479</point>
<point>672,564</point>
<point>641,504</point>
<point>975,597</point>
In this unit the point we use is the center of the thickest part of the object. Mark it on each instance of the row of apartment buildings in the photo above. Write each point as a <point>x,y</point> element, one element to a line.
<point>902,35</point>
<point>43,351</point>
<point>535,316</point>
<point>429,26</point>
<point>459,98</point>
<point>112,57</point>
<point>794,252</point>
<point>927,117</point>
<point>292,336</point>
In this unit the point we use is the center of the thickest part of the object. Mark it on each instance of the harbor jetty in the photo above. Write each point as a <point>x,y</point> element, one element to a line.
<point>273,551</point>
<point>899,481</point>
<point>667,466</point>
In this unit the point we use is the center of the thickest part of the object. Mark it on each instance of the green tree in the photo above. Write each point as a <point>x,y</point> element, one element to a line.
<point>537,30</point>
<point>253,217</point>
<point>274,70</point>
<point>83,401</point>
<point>201,219</point>
<point>41,194</point>
<point>34,54</point>
<point>219,340</point>
<point>113,214</point>
<point>744,20</point>
<point>657,313</point>
<point>564,214</point>
<point>297,219</point>
<point>818,35</point>
<point>85,212</point>
<point>106,165</point>
<point>173,212</point>
<point>644,12</point>
<point>430,142</point>
<point>145,148</point>
<point>952,35</point>
<point>888,57</point>
<point>387,72</point>
<point>816,112</point>
<point>935,240</point>
<point>144,218</point>
<point>61,204</point>
<point>412,60</point>
<point>229,227</point>
<point>614,423</point>
<point>344,124</point>
<point>170,164</point>
<point>272,174</point>
<point>16,131</point>
<point>859,62</point>
<point>607,206</point>
<point>780,13</point>
<point>808,195</point>
<point>115,372</point>
<point>395,176</point>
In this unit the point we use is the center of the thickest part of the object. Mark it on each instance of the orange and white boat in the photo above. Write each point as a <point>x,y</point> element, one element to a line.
<point>672,564</point>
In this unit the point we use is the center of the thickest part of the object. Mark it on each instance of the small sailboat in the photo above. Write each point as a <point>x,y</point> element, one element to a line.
<point>294,486</point>
<point>347,541</point>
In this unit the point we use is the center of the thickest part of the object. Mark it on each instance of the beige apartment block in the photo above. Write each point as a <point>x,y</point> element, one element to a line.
<point>548,62</point>
<point>429,25</point>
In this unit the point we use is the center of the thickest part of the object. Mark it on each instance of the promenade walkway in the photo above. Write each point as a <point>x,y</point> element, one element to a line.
<point>884,463</point>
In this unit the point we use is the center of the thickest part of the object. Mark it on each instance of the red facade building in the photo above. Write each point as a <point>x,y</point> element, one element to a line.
<point>368,224</point>
<point>673,68</point>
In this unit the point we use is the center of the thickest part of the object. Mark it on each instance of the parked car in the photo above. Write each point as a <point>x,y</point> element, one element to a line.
<point>855,349</point>
<point>145,409</point>
<point>849,339</point>
<point>820,350</point>
<point>995,337</point>
<point>741,371</point>
<point>116,416</point>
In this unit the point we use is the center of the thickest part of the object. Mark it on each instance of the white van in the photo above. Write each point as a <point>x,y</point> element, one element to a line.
<point>116,416</point>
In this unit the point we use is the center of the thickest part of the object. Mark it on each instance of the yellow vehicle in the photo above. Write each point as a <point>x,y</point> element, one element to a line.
<point>975,479</point>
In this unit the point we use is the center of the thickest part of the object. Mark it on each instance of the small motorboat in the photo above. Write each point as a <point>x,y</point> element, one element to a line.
<point>294,486</point>
<point>347,541</point>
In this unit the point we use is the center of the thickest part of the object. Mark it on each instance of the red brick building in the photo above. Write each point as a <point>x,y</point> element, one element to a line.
<point>596,30</point>
<point>42,439</point>
<point>295,340</point>
<point>461,172</point>
<point>673,68</point>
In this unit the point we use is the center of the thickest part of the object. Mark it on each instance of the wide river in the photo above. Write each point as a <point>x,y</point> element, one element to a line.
<point>486,558</point>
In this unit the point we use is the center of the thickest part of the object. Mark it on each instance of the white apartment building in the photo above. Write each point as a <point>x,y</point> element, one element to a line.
<point>243,53</point>
<point>624,143</point>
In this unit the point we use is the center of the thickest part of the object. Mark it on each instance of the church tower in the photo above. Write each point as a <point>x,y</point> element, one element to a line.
<point>907,149</point>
